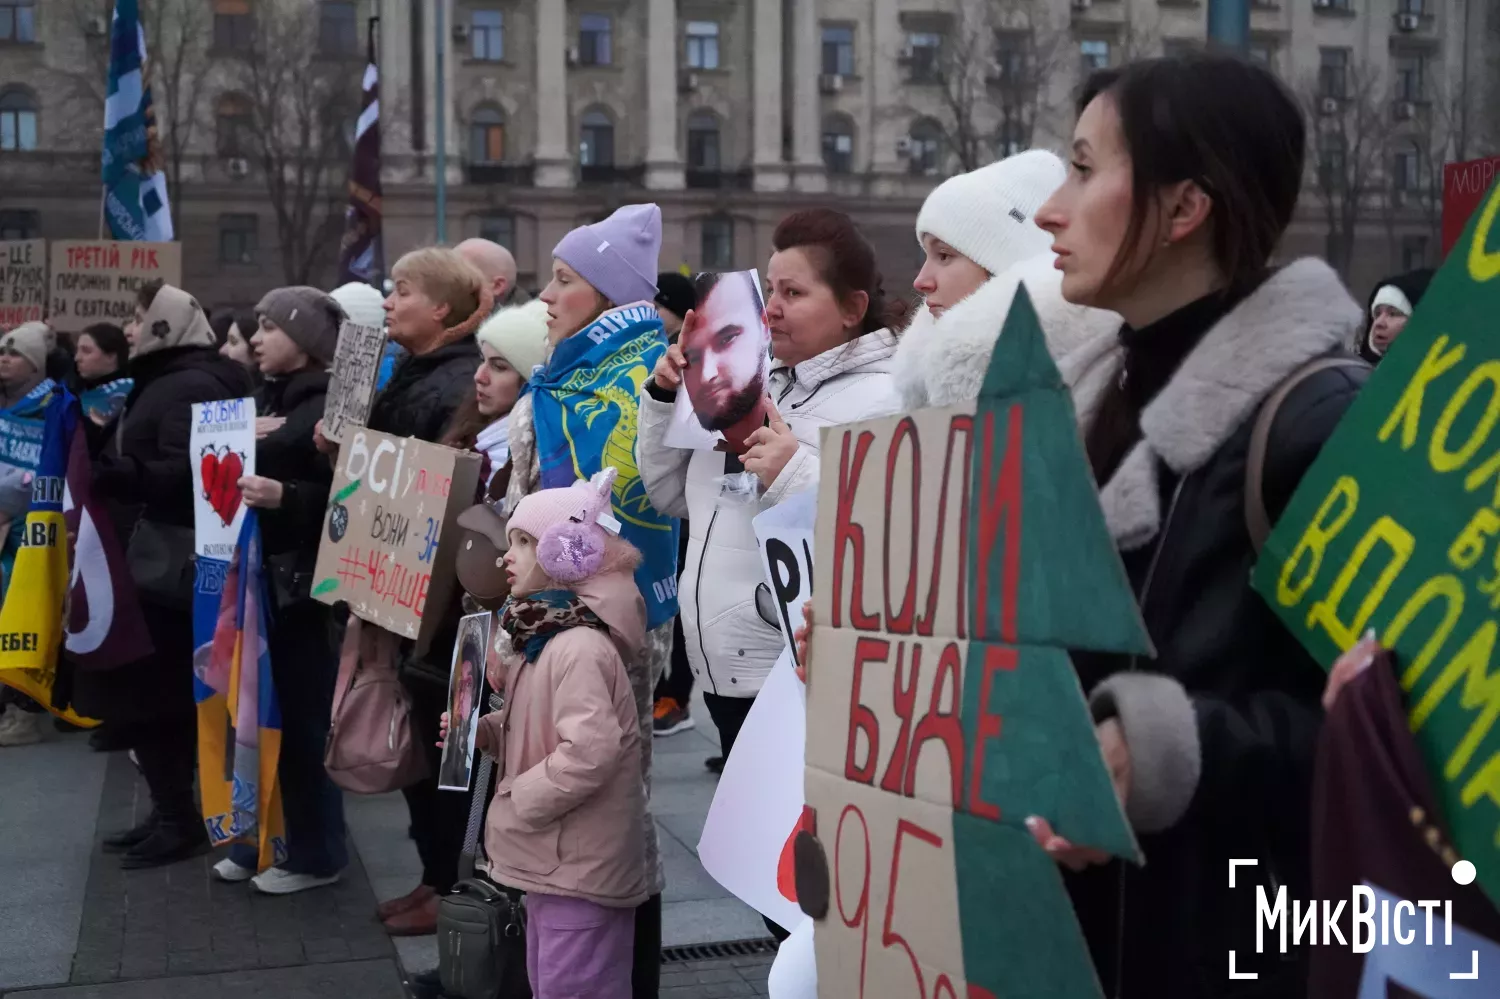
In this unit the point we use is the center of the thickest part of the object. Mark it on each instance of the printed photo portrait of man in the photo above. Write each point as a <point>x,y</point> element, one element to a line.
<point>727,347</point>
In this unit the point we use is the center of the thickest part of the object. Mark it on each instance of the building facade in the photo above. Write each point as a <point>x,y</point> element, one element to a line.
<point>728,113</point>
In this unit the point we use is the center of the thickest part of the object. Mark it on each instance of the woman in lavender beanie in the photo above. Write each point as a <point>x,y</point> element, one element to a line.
<point>578,414</point>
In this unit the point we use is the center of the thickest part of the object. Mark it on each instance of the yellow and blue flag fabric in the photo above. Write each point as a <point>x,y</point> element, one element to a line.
<point>239,719</point>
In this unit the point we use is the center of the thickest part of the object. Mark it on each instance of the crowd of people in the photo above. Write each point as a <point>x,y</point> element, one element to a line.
<point>1150,257</point>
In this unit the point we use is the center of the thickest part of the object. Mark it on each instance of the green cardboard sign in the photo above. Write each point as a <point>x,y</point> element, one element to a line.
<point>965,553</point>
<point>1396,528</point>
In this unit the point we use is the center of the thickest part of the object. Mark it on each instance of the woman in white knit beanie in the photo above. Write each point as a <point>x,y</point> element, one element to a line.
<point>981,241</point>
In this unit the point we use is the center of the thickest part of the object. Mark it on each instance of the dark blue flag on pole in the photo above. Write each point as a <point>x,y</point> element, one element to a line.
<point>360,255</point>
<point>135,189</point>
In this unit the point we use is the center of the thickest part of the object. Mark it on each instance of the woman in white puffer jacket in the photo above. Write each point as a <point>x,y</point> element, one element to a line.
<point>831,364</point>
<point>981,242</point>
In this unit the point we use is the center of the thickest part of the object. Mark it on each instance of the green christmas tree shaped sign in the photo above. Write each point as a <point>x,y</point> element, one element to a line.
<point>965,554</point>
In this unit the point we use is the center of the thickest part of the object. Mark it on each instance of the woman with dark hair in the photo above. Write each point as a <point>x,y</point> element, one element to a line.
<point>101,356</point>
<point>233,330</point>
<point>831,363</point>
<point>1184,176</point>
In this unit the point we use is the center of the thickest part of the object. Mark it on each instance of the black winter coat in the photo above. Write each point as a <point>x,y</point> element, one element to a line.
<point>424,392</point>
<point>144,472</point>
<point>1222,725</point>
<point>291,532</point>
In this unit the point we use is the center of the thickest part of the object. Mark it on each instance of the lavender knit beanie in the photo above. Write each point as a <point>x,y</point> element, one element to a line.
<point>617,256</point>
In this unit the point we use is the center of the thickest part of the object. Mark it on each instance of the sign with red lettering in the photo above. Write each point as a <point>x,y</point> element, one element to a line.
<point>384,550</point>
<point>1464,185</point>
<point>961,552</point>
<point>23,281</point>
<point>96,280</point>
<point>1394,529</point>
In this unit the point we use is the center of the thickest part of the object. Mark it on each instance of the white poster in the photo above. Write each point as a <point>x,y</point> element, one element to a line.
<point>222,452</point>
<point>747,839</point>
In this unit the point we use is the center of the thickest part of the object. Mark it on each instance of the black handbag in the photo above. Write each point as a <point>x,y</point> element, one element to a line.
<point>163,563</point>
<point>481,925</point>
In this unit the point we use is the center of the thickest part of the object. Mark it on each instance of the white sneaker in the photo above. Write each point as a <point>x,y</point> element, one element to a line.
<point>20,728</point>
<point>228,870</point>
<point>275,881</point>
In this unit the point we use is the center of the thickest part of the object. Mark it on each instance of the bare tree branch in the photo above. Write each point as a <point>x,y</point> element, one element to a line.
<point>1348,123</point>
<point>302,107</point>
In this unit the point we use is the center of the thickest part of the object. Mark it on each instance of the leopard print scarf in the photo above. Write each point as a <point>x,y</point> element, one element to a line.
<point>532,622</point>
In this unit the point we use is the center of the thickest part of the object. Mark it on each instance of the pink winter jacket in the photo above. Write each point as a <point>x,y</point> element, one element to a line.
<point>566,818</point>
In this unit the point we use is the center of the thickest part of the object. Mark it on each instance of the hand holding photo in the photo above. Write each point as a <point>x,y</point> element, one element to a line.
<point>727,347</point>
<point>465,683</point>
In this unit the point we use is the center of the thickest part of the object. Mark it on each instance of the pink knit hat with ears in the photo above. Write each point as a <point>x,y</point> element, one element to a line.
<point>572,525</point>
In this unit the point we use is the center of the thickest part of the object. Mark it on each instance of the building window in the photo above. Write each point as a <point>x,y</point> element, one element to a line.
<point>703,44</point>
<point>337,34</point>
<point>1010,57</point>
<point>1339,5</point>
<point>1415,7</point>
<point>20,223</point>
<point>838,144</point>
<point>238,238</point>
<point>924,55</point>
<point>499,228</point>
<point>925,146</point>
<point>594,40</point>
<point>17,121</point>
<point>1333,73</point>
<point>487,35</point>
<point>1263,54</point>
<point>233,125</point>
<point>1010,138</point>
<point>17,21</point>
<point>234,27</point>
<point>1413,252</point>
<point>703,142</point>
<point>487,135</point>
<point>1411,74</point>
<point>838,50</point>
<point>1094,53</point>
<point>1406,170</point>
<point>596,144</point>
<point>718,243</point>
<point>1331,161</point>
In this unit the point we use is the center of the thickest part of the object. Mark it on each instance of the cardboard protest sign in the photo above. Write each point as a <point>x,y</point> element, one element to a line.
<point>96,280</point>
<point>23,281</point>
<point>1394,528</point>
<point>1464,185</point>
<point>961,552</point>
<point>465,691</point>
<point>385,548</point>
<point>356,365</point>
<point>747,838</point>
<point>221,451</point>
<point>727,345</point>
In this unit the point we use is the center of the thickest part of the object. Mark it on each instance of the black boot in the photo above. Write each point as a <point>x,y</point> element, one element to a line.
<point>129,839</point>
<point>168,843</point>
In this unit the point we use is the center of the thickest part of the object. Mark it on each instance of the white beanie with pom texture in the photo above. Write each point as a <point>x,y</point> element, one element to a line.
<point>989,214</point>
<point>362,303</point>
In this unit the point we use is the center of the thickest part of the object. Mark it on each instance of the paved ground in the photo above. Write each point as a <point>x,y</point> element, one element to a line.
<point>77,926</point>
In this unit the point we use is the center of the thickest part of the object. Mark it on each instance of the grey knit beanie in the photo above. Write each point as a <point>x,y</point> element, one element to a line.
<point>309,316</point>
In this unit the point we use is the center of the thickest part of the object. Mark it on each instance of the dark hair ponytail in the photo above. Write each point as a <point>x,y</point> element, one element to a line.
<point>845,262</point>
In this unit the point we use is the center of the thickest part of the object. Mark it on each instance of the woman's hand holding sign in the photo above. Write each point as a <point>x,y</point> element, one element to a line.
<point>261,492</point>
<point>771,447</point>
<point>668,373</point>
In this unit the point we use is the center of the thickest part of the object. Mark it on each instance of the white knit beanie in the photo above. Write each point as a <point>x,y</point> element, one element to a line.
<point>989,214</point>
<point>363,304</point>
<point>518,334</point>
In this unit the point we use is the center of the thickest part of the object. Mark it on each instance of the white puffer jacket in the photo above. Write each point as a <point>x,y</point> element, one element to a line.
<point>729,646</point>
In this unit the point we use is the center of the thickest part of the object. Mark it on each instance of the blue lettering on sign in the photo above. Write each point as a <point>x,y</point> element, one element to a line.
<point>431,541</point>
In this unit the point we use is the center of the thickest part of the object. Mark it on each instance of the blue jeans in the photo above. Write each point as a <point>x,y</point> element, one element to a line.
<point>304,663</point>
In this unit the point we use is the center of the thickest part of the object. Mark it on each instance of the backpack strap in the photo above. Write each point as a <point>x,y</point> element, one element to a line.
<point>1257,520</point>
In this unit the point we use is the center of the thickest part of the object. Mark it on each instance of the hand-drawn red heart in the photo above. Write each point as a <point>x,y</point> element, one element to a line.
<point>221,482</point>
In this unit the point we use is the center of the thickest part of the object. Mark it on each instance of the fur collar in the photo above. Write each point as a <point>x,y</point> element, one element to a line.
<point>942,361</point>
<point>1301,312</point>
